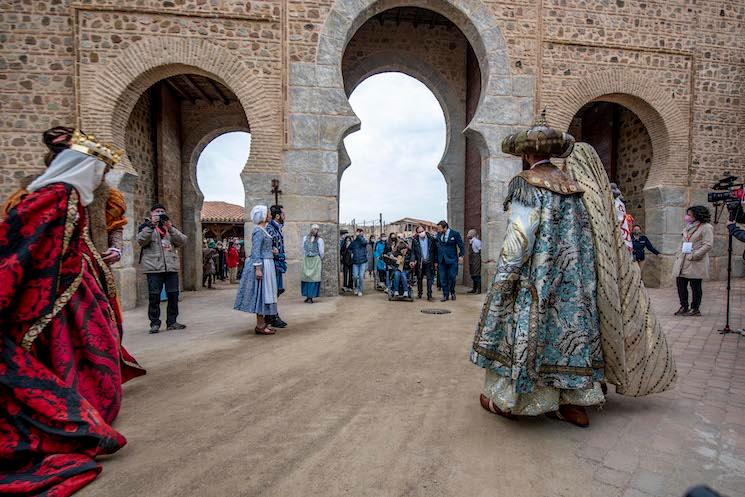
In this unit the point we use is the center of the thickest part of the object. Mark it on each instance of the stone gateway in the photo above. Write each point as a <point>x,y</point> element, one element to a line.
<point>655,87</point>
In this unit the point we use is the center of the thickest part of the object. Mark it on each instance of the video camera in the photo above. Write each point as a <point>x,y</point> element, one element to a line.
<point>730,194</point>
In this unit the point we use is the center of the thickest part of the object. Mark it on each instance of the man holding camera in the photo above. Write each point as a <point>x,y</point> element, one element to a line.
<point>159,240</point>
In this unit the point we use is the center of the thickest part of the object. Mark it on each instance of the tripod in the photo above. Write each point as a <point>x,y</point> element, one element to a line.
<point>727,328</point>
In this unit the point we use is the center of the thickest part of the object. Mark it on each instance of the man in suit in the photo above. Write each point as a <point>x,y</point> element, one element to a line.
<point>450,252</point>
<point>423,259</point>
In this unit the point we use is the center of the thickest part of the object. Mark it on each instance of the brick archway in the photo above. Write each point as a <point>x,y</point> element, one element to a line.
<point>666,124</point>
<point>108,96</point>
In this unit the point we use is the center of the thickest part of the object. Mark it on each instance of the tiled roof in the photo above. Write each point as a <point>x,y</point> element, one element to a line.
<point>222,212</point>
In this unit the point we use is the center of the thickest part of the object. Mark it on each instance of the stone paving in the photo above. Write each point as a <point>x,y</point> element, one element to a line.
<point>365,397</point>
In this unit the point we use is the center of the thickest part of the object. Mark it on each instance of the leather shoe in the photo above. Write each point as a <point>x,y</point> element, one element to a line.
<point>693,312</point>
<point>681,311</point>
<point>444,299</point>
<point>176,326</point>
<point>277,322</point>
<point>576,415</point>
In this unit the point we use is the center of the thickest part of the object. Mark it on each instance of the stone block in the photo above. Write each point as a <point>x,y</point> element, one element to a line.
<point>501,168</point>
<point>499,63</point>
<point>499,85</point>
<point>333,129</point>
<point>493,39</point>
<point>666,195</point>
<point>673,219</point>
<point>338,23</point>
<point>333,101</point>
<point>509,110</point>
<point>126,286</point>
<point>306,209</point>
<point>321,184</point>
<point>654,222</point>
<point>304,100</point>
<point>523,86</point>
<point>330,50</point>
<point>329,76</point>
<point>310,161</point>
<point>669,243</point>
<point>302,74</point>
<point>304,131</point>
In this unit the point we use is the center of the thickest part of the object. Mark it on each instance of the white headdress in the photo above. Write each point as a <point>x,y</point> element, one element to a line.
<point>258,214</point>
<point>80,170</point>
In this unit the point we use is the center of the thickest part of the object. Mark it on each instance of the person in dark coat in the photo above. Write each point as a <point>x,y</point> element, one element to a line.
<point>641,243</point>
<point>346,263</point>
<point>423,259</point>
<point>358,247</point>
<point>450,250</point>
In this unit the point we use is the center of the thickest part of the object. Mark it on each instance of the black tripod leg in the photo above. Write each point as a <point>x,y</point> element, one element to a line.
<point>727,328</point>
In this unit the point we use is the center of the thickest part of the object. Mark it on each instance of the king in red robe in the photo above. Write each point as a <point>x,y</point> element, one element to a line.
<point>62,363</point>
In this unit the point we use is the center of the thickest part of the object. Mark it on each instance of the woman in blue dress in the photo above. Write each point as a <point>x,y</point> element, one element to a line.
<point>257,292</point>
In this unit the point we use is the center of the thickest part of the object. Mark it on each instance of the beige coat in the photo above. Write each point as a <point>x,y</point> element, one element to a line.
<point>696,264</point>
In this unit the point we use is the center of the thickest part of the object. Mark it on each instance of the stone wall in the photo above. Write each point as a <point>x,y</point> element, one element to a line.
<point>141,147</point>
<point>633,160</point>
<point>168,140</point>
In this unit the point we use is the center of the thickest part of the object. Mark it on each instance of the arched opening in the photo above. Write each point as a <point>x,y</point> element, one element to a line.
<point>623,144</point>
<point>169,126</point>
<point>394,157</point>
<point>427,46</point>
<point>219,168</point>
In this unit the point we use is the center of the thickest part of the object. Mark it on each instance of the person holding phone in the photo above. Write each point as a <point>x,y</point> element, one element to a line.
<point>692,263</point>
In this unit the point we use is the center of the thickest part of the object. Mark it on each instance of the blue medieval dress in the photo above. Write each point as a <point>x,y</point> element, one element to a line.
<point>254,295</point>
<point>310,269</point>
<point>539,334</point>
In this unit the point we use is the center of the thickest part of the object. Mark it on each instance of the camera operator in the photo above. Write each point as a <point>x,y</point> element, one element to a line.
<point>736,232</point>
<point>158,240</point>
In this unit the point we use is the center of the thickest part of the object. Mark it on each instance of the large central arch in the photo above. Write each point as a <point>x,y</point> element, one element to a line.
<point>318,101</point>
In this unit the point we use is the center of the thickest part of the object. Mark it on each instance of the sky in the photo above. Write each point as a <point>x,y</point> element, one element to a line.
<point>394,155</point>
<point>219,167</point>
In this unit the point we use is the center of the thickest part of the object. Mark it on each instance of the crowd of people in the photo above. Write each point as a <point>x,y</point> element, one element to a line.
<point>396,263</point>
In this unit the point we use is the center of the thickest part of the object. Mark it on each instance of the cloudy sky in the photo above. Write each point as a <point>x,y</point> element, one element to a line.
<point>394,155</point>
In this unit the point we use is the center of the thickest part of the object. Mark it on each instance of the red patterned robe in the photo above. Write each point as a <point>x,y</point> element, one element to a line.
<point>61,360</point>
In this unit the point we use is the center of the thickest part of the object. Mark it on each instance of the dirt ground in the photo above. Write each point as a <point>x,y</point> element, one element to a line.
<point>365,397</point>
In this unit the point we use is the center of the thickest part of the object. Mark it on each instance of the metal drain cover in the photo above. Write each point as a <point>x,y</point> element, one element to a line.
<point>436,311</point>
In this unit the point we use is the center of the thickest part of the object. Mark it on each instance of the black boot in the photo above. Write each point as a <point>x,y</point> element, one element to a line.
<point>277,322</point>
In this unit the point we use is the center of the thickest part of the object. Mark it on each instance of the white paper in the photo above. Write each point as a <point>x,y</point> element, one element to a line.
<point>687,247</point>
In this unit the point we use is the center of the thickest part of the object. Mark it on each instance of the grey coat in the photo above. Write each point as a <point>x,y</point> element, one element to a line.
<point>159,255</point>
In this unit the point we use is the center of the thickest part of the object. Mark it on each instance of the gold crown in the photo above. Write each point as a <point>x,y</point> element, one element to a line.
<point>88,145</point>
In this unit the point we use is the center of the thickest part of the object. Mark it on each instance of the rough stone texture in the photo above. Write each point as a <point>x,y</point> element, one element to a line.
<point>633,162</point>
<point>678,66</point>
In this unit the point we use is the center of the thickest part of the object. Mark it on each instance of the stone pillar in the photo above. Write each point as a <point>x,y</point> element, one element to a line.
<point>320,117</point>
<point>664,210</point>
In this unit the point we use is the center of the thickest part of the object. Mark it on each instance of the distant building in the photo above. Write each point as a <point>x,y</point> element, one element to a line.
<point>222,220</point>
<point>408,225</point>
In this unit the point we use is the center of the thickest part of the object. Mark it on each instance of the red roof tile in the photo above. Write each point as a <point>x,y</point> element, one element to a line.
<point>222,212</point>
